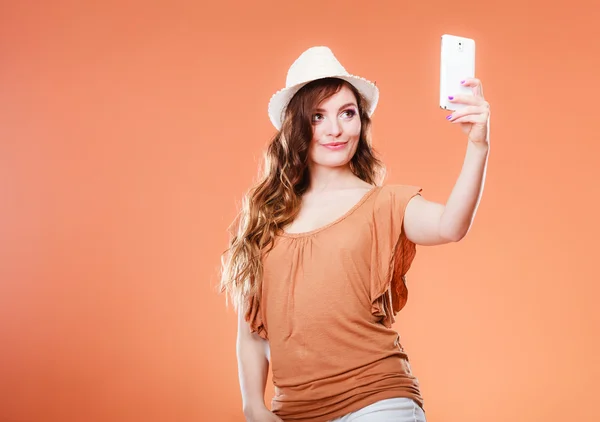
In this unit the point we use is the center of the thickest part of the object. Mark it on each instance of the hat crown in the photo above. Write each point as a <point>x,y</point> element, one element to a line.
<point>314,63</point>
<point>317,63</point>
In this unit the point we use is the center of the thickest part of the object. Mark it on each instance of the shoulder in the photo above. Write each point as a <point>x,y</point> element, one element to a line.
<point>390,206</point>
<point>393,199</point>
<point>397,192</point>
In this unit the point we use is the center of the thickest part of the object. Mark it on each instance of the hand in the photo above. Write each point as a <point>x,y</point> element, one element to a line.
<point>475,117</point>
<point>261,414</point>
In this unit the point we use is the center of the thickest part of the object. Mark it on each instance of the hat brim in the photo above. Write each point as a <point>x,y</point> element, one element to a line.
<point>281,98</point>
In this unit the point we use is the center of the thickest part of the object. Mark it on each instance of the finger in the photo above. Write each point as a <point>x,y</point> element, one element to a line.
<point>475,84</point>
<point>471,118</point>
<point>468,110</point>
<point>466,99</point>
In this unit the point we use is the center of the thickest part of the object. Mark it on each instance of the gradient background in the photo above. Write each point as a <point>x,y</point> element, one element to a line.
<point>130,130</point>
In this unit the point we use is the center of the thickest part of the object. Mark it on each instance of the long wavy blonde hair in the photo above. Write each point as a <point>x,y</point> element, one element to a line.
<point>274,201</point>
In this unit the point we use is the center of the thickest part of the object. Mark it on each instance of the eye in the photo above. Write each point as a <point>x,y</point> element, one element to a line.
<point>348,114</point>
<point>317,117</point>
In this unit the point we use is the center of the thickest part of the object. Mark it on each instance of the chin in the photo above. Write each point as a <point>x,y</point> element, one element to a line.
<point>332,162</point>
<point>326,158</point>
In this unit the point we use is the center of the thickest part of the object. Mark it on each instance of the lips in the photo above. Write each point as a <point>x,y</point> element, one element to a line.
<point>335,145</point>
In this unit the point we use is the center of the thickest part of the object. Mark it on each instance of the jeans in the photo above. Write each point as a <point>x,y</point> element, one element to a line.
<point>390,410</point>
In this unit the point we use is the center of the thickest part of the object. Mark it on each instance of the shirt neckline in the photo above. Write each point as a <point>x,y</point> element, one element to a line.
<point>334,222</point>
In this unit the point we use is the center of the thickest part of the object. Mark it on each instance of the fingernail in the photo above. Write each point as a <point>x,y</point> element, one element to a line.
<point>450,97</point>
<point>449,117</point>
<point>462,82</point>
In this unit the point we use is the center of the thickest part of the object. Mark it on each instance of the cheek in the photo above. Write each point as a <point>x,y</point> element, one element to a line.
<point>353,130</point>
<point>317,133</point>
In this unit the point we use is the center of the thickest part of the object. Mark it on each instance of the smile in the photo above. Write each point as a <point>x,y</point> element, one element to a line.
<point>335,145</point>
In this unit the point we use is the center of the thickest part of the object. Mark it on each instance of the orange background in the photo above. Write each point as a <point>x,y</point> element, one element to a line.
<point>129,131</point>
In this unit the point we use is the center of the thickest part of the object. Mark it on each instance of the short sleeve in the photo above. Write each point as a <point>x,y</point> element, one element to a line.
<point>392,253</point>
<point>253,317</point>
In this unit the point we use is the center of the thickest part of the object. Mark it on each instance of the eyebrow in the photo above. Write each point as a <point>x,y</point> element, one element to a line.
<point>320,110</point>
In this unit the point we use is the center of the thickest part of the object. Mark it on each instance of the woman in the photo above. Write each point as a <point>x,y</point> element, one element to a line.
<point>318,261</point>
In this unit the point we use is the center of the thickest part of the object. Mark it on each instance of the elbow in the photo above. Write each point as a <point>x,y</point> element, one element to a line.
<point>454,229</point>
<point>452,238</point>
<point>458,237</point>
<point>453,234</point>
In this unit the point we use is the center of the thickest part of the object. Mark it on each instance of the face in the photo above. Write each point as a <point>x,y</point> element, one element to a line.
<point>336,130</point>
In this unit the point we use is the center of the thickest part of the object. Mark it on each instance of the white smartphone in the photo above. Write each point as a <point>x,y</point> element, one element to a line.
<point>457,63</point>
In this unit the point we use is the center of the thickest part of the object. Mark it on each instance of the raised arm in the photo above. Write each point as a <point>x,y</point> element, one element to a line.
<point>430,223</point>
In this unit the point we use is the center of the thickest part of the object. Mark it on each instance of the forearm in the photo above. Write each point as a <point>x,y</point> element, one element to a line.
<point>462,204</point>
<point>253,368</point>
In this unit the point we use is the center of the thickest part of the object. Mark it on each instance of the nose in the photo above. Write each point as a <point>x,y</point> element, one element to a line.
<point>335,128</point>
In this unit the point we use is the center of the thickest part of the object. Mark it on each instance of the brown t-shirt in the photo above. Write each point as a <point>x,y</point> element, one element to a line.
<point>328,303</point>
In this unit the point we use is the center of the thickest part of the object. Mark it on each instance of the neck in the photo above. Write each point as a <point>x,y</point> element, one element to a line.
<point>324,178</point>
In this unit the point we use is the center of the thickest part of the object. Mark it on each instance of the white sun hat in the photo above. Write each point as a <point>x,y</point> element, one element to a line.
<point>317,63</point>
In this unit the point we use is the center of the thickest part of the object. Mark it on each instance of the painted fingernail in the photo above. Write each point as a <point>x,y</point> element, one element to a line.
<point>462,82</point>
<point>449,117</point>
<point>450,97</point>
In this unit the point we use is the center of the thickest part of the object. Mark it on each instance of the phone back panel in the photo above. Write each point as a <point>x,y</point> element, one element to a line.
<point>457,63</point>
